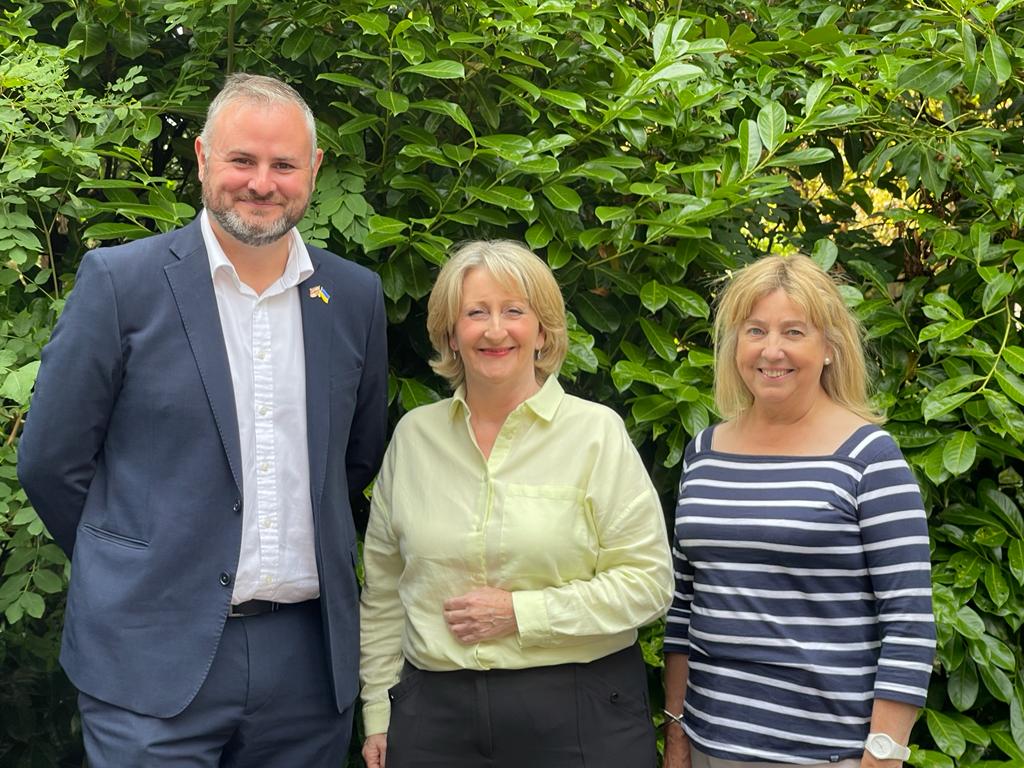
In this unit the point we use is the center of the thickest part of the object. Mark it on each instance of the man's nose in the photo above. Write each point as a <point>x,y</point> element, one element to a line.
<point>261,181</point>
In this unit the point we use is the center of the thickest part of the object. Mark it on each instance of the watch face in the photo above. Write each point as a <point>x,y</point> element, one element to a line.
<point>880,746</point>
<point>883,747</point>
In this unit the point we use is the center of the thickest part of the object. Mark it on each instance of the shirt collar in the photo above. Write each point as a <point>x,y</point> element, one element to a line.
<point>296,269</point>
<point>543,403</point>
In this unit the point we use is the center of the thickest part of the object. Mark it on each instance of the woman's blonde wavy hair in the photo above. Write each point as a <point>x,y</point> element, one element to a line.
<point>809,287</point>
<point>518,269</point>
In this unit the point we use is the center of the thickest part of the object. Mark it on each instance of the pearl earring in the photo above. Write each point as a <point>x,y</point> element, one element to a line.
<point>828,361</point>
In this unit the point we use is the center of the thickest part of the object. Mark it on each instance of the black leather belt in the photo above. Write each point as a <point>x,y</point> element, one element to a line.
<point>253,608</point>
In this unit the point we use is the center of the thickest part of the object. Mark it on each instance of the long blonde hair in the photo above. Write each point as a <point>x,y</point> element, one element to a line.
<point>809,287</point>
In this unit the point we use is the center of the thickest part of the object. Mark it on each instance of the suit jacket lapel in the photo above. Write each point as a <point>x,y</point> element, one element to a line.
<point>192,287</point>
<point>317,335</point>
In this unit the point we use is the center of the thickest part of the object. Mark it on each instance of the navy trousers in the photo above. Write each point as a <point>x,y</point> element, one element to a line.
<point>266,703</point>
<point>592,715</point>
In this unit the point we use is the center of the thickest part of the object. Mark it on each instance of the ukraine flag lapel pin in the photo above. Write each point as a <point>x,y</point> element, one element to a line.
<point>319,292</point>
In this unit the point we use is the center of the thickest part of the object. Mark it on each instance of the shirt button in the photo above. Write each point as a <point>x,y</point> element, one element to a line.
<point>261,355</point>
<point>263,410</point>
<point>225,578</point>
<point>264,467</point>
<point>267,580</point>
<point>266,522</point>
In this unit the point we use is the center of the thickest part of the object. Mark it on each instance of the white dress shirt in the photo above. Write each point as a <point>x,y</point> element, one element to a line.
<point>263,336</point>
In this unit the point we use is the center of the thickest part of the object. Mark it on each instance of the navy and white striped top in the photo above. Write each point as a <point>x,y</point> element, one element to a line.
<point>803,591</point>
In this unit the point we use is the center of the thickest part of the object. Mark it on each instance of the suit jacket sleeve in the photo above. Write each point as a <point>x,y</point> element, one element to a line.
<point>367,438</point>
<point>75,392</point>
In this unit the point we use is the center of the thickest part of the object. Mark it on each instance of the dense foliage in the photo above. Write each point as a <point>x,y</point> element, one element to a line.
<point>644,148</point>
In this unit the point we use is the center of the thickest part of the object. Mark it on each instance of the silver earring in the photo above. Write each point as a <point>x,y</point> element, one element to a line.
<point>536,355</point>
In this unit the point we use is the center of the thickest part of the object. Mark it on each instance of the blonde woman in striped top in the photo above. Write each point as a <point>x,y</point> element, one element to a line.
<point>801,632</point>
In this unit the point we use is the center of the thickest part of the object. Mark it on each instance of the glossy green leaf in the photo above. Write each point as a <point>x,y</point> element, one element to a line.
<point>651,408</point>
<point>825,253</point>
<point>933,408</point>
<point>91,38</point>
<point>1008,416</point>
<point>451,109</point>
<point>997,683</point>
<point>689,302</point>
<point>959,452</point>
<point>808,156</point>
<point>996,290</point>
<point>395,103</point>
<point>47,581</point>
<point>969,623</point>
<point>654,296</point>
<point>750,146</point>
<point>439,69</point>
<point>814,94</point>
<point>116,231</point>
<point>503,197</point>
<point>413,394</point>
<point>1015,556</point>
<point>956,328</point>
<point>661,341</point>
<point>962,686</point>
<point>676,72</point>
<point>1002,505</point>
<point>946,733</point>
<point>565,99</point>
<point>562,197</point>
<point>1017,717</point>
<point>1013,356</point>
<point>932,77</point>
<point>771,124</point>
<point>996,59</point>
<point>1010,383</point>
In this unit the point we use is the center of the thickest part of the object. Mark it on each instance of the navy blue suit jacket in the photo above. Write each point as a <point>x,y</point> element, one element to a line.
<point>131,457</point>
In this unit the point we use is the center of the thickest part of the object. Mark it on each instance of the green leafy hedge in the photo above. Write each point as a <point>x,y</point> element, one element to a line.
<point>644,149</point>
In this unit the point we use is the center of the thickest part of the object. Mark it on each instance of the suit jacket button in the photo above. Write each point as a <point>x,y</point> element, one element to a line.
<point>225,578</point>
<point>237,505</point>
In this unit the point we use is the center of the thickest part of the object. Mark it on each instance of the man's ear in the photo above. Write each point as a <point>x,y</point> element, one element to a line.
<point>200,158</point>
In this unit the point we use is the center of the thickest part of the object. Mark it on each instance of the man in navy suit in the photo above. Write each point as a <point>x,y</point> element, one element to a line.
<point>211,401</point>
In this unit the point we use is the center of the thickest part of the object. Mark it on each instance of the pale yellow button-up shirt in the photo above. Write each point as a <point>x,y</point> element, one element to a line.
<point>562,514</point>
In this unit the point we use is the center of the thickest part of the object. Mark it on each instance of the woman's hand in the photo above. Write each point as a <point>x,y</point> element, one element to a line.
<point>374,749</point>
<point>482,614</point>
<point>677,747</point>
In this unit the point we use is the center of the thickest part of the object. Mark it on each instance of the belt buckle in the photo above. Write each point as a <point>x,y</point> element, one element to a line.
<point>252,608</point>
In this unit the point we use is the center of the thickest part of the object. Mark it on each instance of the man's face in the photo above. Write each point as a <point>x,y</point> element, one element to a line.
<point>258,171</point>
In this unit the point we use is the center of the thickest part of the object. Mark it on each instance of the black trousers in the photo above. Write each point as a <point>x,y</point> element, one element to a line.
<point>594,715</point>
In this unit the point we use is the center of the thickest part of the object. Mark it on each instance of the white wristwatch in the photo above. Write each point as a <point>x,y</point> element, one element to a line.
<point>881,746</point>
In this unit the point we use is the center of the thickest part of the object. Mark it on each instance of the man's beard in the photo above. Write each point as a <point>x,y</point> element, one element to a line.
<point>253,232</point>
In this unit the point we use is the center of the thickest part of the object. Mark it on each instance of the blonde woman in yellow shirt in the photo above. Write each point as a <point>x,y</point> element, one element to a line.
<point>515,545</point>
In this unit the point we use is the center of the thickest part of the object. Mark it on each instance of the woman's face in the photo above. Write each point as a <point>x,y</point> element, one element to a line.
<point>496,334</point>
<point>779,353</point>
